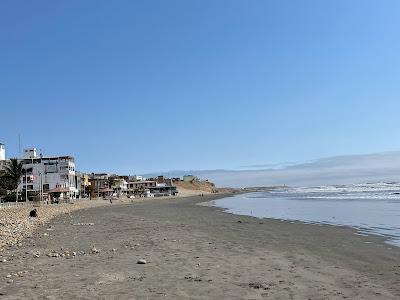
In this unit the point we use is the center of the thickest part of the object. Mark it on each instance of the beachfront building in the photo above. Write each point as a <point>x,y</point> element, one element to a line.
<point>159,186</point>
<point>161,179</point>
<point>163,190</point>
<point>52,176</point>
<point>99,185</point>
<point>136,178</point>
<point>164,187</point>
<point>3,160</point>
<point>2,152</point>
<point>140,188</point>
<point>84,184</point>
<point>141,184</point>
<point>119,185</point>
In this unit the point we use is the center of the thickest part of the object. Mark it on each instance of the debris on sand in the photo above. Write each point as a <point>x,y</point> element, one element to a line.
<point>33,213</point>
<point>193,278</point>
<point>141,261</point>
<point>259,285</point>
<point>18,222</point>
<point>53,254</point>
<point>95,250</point>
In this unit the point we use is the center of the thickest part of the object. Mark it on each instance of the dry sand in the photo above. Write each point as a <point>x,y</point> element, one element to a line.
<point>189,193</point>
<point>195,252</point>
<point>16,224</point>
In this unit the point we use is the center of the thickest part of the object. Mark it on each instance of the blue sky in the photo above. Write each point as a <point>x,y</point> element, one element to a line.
<point>141,86</point>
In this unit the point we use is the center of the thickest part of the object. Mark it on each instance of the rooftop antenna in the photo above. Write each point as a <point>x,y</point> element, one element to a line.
<point>19,145</point>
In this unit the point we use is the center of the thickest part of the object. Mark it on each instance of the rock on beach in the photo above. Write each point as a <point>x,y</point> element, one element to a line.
<point>16,223</point>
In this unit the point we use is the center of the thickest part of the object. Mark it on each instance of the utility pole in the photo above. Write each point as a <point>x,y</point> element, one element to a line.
<point>26,186</point>
<point>19,145</point>
<point>40,187</point>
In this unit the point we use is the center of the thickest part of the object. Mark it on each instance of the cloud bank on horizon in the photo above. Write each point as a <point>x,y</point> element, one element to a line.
<point>346,169</point>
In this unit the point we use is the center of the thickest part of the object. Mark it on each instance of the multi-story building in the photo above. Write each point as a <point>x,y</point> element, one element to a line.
<point>84,184</point>
<point>3,160</point>
<point>140,187</point>
<point>136,178</point>
<point>141,184</point>
<point>120,185</point>
<point>161,180</point>
<point>49,175</point>
<point>2,152</point>
<point>159,186</point>
<point>98,184</point>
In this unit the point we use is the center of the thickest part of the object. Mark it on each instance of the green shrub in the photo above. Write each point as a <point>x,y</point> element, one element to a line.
<point>10,197</point>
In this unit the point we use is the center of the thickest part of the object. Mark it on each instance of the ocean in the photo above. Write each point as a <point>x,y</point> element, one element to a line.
<point>369,208</point>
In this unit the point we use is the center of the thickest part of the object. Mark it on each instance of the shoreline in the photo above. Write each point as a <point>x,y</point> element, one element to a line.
<point>358,231</point>
<point>198,252</point>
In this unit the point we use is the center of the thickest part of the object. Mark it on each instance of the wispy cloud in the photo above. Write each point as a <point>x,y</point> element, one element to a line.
<point>269,166</point>
<point>333,170</point>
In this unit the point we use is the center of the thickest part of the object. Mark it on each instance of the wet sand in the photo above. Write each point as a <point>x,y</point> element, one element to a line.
<point>195,252</point>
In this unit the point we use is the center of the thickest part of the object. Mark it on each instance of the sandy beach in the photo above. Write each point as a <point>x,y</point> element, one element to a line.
<point>15,223</point>
<point>194,252</point>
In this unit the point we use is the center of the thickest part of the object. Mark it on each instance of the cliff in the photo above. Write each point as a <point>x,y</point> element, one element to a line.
<point>195,188</point>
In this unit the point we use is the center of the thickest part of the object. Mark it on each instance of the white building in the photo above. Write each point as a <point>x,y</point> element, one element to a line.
<point>120,186</point>
<point>137,178</point>
<point>30,153</point>
<point>2,152</point>
<point>3,160</point>
<point>53,175</point>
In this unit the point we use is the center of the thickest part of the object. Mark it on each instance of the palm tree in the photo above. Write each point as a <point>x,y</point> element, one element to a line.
<point>5,181</point>
<point>111,181</point>
<point>14,172</point>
